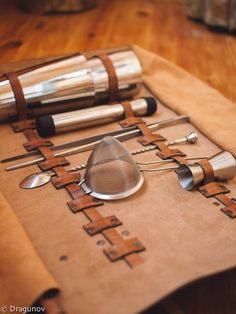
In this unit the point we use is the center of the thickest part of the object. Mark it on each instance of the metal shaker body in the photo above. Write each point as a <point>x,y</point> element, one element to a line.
<point>71,83</point>
<point>224,166</point>
<point>128,70</point>
<point>48,87</point>
<point>79,119</point>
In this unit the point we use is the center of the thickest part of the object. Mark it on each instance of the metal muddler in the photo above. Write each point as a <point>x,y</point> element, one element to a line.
<point>78,119</point>
<point>69,83</point>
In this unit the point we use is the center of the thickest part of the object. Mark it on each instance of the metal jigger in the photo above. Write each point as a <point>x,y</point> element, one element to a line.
<point>223,164</point>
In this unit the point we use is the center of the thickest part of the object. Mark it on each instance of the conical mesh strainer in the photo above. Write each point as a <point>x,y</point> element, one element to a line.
<point>111,172</point>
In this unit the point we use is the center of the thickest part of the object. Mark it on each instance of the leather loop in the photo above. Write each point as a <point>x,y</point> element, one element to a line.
<point>53,162</point>
<point>18,94</point>
<point>230,211</point>
<point>180,160</point>
<point>35,143</point>
<point>64,180</point>
<point>83,202</point>
<point>123,248</point>
<point>230,206</point>
<point>212,189</point>
<point>101,224</point>
<point>170,153</point>
<point>207,169</point>
<point>112,77</point>
<point>130,119</point>
<point>148,137</point>
<point>23,125</point>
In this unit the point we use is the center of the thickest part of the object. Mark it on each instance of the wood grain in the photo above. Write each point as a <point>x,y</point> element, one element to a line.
<point>158,25</point>
<point>162,27</point>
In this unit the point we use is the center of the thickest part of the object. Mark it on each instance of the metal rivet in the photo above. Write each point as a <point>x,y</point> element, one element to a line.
<point>101,242</point>
<point>96,200</point>
<point>63,258</point>
<point>111,253</point>
<point>125,233</point>
<point>138,244</point>
<point>229,212</point>
<point>114,220</point>
<point>90,229</point>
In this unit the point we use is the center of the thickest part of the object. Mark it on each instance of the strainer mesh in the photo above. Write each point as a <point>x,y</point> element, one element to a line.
<point>111,169</point>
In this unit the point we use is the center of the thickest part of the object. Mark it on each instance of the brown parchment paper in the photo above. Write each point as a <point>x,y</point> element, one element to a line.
<point>186,236</point>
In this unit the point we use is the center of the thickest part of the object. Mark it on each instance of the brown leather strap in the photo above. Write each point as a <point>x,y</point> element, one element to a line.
<point>123,248</point>
<point>30,135</point>
<point>112,77</point>
<point>166,152</point>
<point>22,125</point>
<point>212,189</point>
<point>83,202</point>
<point>130,119</point>
<point>230,206</point>
<point>207,169</point>
<point>180,160</point>
<point>64,180</point>
<point>18,94</point>
<point>132,259</point>
<point>35,143</point>
<point>101,224</point>
<point>51,163</point>
<point>148,137</point>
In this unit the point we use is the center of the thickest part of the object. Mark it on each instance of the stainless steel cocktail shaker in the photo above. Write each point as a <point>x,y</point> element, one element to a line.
<point>63,122</point>
<point>70,83</point>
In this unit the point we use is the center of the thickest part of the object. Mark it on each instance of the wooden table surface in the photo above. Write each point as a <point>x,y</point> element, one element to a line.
<point>162,27</point>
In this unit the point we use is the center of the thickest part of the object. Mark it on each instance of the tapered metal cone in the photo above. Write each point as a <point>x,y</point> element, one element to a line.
<point>223,164</point>
<point>50,87</point>
<point>190,175</point>
<point>70,83</point>
<point>111,172</point>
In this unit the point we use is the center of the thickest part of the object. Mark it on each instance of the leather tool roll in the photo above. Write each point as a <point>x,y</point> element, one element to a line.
<point>72,82</point>
<point>73,120</point>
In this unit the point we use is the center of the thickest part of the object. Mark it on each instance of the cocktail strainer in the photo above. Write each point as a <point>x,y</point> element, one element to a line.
<point>111,172</point>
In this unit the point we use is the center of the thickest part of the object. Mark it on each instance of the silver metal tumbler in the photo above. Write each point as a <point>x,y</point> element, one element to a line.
<point>78,119</point>
<point>70,83</point>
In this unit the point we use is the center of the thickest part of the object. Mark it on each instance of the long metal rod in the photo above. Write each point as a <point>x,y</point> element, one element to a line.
<point>166,161</point>
<point>92,139</point>
<point>159,169</point>
<point>121,137</point>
